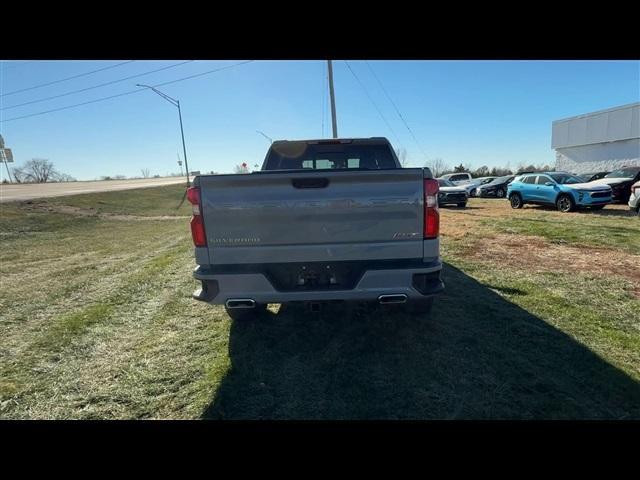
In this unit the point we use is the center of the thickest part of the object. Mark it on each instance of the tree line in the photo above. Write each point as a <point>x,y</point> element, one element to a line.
<point>438,168</point>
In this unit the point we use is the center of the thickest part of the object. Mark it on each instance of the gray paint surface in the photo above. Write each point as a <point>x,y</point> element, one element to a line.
<point>359,215</point>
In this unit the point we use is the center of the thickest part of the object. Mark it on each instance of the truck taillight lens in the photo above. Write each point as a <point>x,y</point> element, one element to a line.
<point>197,222</point>
<point>197,231</point>
<point>431,214</point>
<point>193,195</point>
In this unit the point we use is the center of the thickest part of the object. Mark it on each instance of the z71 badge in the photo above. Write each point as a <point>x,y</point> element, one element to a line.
<point>404,236</point>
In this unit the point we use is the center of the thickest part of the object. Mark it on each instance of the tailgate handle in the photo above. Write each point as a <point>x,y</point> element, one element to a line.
<point>310,182</point>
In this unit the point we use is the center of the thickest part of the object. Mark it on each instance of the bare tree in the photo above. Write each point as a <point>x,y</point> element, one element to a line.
<point>482,171</point>
<point>145,173</point>
<point>437,166</point>
<point>242,168</point>
<point>401,153</point>
<point>36,170</point>
<point>63,177</point>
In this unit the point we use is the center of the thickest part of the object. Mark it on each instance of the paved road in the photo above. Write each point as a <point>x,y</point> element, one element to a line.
<point>12,192</point>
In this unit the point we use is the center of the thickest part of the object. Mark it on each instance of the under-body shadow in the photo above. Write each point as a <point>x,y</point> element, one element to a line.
<point>478,356</point>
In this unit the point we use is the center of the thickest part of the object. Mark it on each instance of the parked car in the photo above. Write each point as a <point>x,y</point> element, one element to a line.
<point>567,192</point>
<point>590,177</point>
<point>472,187</point>
<point>450,194</point>
<point>620,182</point>
<point>458,178</point>
<point>634,199</point>
<point>322,220</point>
<point>496,188</point>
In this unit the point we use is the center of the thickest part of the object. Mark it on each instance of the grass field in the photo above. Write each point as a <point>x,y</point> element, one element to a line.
<point>540,319</point>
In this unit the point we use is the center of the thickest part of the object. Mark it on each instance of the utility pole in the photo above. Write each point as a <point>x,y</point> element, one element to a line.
<point>6,156</point>
<point>8,172</point>
<point>333,100</point>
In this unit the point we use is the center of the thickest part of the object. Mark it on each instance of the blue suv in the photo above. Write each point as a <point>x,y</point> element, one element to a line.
<point>567,192</point>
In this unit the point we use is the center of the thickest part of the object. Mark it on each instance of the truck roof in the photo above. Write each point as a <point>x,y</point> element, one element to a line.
<point>334,141</point>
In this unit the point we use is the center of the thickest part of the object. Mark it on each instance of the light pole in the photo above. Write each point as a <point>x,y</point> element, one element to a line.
<point>175,103</point>
<point>265,136</point>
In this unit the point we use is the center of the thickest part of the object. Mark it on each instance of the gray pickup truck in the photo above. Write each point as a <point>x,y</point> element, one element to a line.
<point>323,220</point>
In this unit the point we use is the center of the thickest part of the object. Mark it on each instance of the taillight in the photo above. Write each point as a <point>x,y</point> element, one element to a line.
<point>431,214</point>
<point>197,222</point>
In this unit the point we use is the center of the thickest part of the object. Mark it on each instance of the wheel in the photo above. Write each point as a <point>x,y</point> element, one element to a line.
<point>597,207</point>
<point>246,314</point>
<point>420,306</point>
<point>472,193</point>
<point>462,205</point>
<point>516,200</point>
<point>500,193</point>
<point>565,203</point>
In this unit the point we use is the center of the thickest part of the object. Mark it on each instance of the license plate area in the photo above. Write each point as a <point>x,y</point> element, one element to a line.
<point>314,276</point>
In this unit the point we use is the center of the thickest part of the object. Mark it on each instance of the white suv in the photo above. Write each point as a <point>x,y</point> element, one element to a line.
<point>634,199</point>
<point>458,178</point>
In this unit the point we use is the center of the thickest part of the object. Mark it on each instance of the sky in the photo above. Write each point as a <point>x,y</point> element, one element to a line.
<point>493,113</point>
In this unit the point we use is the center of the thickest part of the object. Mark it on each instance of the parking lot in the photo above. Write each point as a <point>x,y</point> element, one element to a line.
<point>539,319</point>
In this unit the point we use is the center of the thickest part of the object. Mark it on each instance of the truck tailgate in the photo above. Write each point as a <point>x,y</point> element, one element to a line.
<point>274,217</point>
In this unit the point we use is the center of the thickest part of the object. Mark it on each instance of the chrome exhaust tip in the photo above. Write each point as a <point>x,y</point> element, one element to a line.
<point>398,298</point>
<point>240,303</point>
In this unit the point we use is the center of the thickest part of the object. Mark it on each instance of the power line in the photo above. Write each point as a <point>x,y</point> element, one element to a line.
<point>397,110</point>
<point>203,73</point>
<point>65,79</point>
<point>127,93</point>
<point>96,86</point>
<point>374,103</point>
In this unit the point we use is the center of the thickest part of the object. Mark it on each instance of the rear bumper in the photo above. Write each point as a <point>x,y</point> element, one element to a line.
<point>415,283</point>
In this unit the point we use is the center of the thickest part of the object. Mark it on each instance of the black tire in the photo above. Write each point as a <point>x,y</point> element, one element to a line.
<point>420,307</point>
<point>472,193</point>
<point>500,193</point>
<point>246,314</point>
<point>516,200</point>
<point>462,205</point>
<point>565,203</point>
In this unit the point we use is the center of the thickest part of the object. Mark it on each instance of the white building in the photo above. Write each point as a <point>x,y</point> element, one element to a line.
<point>598,141</point>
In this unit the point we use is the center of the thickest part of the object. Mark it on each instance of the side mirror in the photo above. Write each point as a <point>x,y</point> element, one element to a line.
<point>549,184</point>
